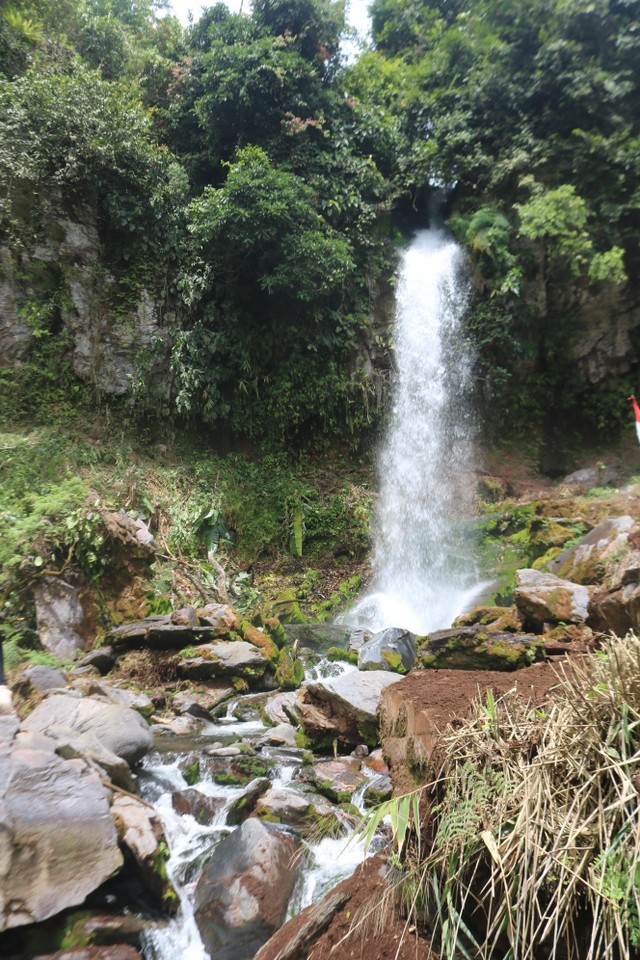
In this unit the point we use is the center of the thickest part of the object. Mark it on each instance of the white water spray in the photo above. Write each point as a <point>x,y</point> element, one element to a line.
<point>423,571</point>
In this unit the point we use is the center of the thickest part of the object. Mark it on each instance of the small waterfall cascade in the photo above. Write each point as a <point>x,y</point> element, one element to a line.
<point>424,573</point>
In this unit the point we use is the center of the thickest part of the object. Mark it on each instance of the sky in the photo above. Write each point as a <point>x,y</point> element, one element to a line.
<point>356,11</point>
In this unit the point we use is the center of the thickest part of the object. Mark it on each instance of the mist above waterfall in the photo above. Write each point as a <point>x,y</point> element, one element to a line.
<point>424,574</point>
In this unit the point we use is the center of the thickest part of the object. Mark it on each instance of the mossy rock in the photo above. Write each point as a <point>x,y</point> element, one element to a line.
<point>234,771</point>
<point>478,648</point>
<point>276,631</point>
<point>258,639</point>
<point>346,656</point>
<point>496,618</point>
<point>289,672</point>
<point>285,607</point>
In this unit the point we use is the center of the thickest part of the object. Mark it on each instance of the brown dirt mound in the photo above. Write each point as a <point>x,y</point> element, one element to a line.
<point>363,928</point>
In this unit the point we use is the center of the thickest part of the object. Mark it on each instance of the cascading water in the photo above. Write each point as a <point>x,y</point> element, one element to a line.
<point>424,574</point>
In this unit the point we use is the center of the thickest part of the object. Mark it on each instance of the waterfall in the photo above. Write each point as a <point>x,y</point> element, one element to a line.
<point>423,568</point>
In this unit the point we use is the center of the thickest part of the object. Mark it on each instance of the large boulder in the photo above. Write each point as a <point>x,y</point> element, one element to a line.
<point>58,842</point>
<point>588,560</point>
<point>140,832</point>
<point>59,616</point>
<point>544,598</point>
<point>391,649</point>
<point>120,729</point>
<point>319,637</point>
<point>335,779</point>
<point>343,708</point>
<point>242,895</point>
<point>478,648</point>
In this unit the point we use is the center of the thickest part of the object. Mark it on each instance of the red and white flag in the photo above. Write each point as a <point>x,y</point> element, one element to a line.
<point>636,410</point>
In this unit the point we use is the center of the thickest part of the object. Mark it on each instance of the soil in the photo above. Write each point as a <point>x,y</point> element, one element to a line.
<point>366,927</point>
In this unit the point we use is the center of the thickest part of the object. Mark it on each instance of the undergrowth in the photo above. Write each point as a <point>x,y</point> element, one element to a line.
<point>532,847</point>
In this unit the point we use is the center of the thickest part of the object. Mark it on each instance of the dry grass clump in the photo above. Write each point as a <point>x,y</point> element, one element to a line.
<point>534,848</point>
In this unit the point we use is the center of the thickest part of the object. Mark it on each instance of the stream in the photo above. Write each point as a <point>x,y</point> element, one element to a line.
<point>327,861</point>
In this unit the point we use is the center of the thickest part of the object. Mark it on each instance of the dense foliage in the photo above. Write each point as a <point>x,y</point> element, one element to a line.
<point>531,110</point>
<point>239,170</point>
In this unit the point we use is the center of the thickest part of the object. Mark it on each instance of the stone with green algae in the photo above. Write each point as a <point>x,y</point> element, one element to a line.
<point>478,648</point>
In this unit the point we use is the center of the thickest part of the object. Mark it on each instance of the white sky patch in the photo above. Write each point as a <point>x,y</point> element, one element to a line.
<point>357,13</point>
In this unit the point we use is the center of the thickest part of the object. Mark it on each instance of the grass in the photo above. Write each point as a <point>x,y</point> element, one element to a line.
<point>532,846</point>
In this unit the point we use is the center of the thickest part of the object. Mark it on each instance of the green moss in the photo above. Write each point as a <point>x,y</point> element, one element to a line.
<point>286,608</point>
<point>394,661</point>
<point>289,672</point>
<point>192,773</point>
<point>346,656</point>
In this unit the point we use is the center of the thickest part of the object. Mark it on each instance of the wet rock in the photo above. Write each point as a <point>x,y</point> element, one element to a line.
<point>275,708</point>
<point>104,929</point>
<point>392,649</point>
<point>102,659</point>
<point>120,729</point>
<point>317,918</point>
<point>59,616</point>
<point>234,658</point>
<point>544,598</point>
<point>344,708</point>
<point>479,648</point>
<point>244,806</point>
<point>335,779</point>
<point>358,637</point>
<point>229,751</point>
<point>140,832</point>
<point>587,561</point>
<point>59,841</point>
<point>242,894</point>
<point>198,805</point>
<point>235,771</point>
<point>378,790</point>
<point>281,805</point>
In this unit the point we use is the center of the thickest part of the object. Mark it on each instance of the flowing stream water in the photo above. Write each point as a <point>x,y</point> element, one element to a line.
<point>423,569</point>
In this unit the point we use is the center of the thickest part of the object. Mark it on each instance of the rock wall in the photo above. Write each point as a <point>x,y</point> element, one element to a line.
<point>64,271</point>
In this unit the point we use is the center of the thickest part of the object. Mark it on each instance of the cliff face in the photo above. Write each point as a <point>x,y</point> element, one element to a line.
<point>62,282</point>
<point>607,341</point>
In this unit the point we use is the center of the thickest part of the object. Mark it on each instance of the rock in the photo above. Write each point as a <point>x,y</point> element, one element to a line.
<point>102,659</point>
<point>544,598</point>
<point>281,735</point>
<point>235,771</point>
<point>120,729</point>
<point>130,531</point>
<point>229,751</point>
<point>219,616</point>
<point>275,708</point>
<point>592,477</point>
<point>198,704</point>
<point>344,708</point>
<point>233,658</point>
<point>495,618</point>
<point>185,726</point>
<point>378,790</point>
<point>318,637</point>
<point>158,633</point>
<point>359,636</point>
<point>244,806</point>
<point>104,929</point>
<point>59,616</point>
<point>140,831</point>
<point>616,610</point>
<point>478,648</point>
<point>282,805</point>
<point>392,649</point>
<point>39,679</point>
<point>185,617</point>
<point>6,701</point>
<point>317,918</point>
<point>335,779</point>
<point>72,745</point>
<point>58,842</point>
<point>133,699</point>
<point>198,805</point>
<point>242,894</point>
<point>587,561</point>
